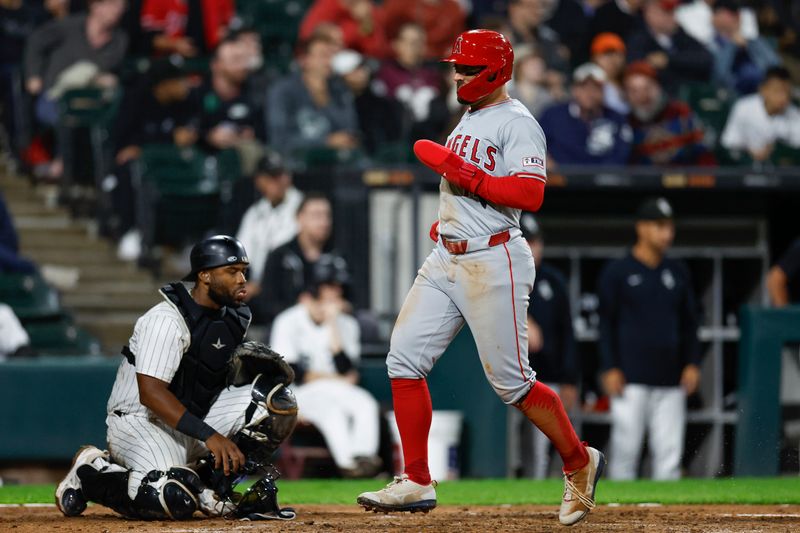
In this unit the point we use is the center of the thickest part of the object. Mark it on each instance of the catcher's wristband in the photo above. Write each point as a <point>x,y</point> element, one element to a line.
<point>190,425</point>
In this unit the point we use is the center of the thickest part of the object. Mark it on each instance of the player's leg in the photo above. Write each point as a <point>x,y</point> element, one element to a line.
<point>427,323</point>
<point>541,450</point>
<point>667,427</point>
<point>495,284</point>
<point>364,414</point>
<point>628,422</point>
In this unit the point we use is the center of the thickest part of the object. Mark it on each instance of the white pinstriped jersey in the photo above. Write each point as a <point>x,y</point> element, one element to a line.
<point>502,139</point>
<point>159,340</point>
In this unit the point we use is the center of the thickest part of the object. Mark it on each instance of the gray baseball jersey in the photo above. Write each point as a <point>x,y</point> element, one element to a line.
<point>502,139</point>
<point>488,286</point>
<point>137,439</point>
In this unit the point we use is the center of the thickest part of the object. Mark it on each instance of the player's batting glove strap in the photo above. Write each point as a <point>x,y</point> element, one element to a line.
<point>454,169</point>
<point>434,233</point>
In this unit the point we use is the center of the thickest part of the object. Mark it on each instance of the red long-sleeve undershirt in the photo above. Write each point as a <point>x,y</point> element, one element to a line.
<point>519,192</point>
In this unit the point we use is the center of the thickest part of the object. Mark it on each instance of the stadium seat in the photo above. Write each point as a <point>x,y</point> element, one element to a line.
<point>29,296</point>
<point>711,104</point>
<point>178,194</point>
<point>278,23</point>
<point>61,337</point>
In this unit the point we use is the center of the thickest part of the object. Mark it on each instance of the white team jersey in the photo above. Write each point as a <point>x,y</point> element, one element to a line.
<point>302,341</point>
<point>159,340</point>
<point>502,139</point>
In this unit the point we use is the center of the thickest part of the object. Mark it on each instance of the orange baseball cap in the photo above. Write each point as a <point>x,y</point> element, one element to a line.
<point>641,68</point>
<point>607,42</point>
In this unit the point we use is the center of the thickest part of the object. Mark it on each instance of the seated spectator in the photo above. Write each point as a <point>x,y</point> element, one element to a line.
<point>380,119</point>
<point>526,18</point>
<point>14,340</point>
<point>739,62</point>
<point>360,21</point>
<point>529,84</point>
<point>417,86</point>
<point>228,119</point>
<point>289,268</point>
<point>665,131</point>
<point>617,16</point>
<point>608,52</point>
<point>695,17</point>
<point>570,20</point>
<point>10,260</point>
<point>272,220</point>
<point>73,52</point>
<point>157,110</point>
<point>676,56</point>
<point>312,108</point>
<point>321,342</point>
<point>583,131</point>
<point>758,121</point>
<point>442,21</point>
<point>185,28</point>
<point>783,279</point>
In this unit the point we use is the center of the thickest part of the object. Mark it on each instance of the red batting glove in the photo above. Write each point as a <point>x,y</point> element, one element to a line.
<point>448,164</point>
<point>434,232</point>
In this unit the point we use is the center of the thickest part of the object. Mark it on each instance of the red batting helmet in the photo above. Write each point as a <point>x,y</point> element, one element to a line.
<point>483,48</point>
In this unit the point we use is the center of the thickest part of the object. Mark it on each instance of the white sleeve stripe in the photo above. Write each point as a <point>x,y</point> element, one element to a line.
<point>530,175</point>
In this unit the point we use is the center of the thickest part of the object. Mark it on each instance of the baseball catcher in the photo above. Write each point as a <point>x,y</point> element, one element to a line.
<point>193,408</point>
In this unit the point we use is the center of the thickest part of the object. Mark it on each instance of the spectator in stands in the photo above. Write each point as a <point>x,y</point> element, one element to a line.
<point>18,20</point>
<point>621,17</point>
<point>526,19</point>
<point>649,351</point>
<point>272,220</point>
<point>441,20</point>
<point>783,279</point>
<point>676,56</point>
<point>739,62</point>
<point>665,131</point>
<point>10,260</point>
<point>321,342</point>
<point>758,122</point>
<point>331,32</point>
<point>361,22</point>
<point>312,108</point>
<point>583,131</point>
<point>73,52</point>
<point>380,119</point>
<point>695,17</point>
<point>186,28</point>
<point>570,20</point>
<point>14,340</point>
<point>529,84</point>
<point>608,52</point>
<point>551,342</point>
<point>289,267</point>
<point>158,110</point>
<point>228,120</point>
<point>416,85</point>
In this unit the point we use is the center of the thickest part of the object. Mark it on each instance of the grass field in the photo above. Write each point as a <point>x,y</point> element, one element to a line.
<point>515,492</point>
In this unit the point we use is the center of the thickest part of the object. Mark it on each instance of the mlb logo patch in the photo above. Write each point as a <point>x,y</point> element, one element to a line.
<point>532,162</point>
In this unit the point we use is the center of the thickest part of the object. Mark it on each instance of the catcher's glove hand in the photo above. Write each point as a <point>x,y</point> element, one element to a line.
<point>252,358</point>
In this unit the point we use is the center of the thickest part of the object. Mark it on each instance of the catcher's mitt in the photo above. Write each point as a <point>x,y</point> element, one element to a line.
<point>252,358</point>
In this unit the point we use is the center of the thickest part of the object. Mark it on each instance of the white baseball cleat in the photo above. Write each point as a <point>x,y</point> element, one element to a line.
<point>579,489</point>
<point>401,495</point>
<point>69,497</point>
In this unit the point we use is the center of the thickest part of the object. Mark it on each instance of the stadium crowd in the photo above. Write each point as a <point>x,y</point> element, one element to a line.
<point>283,86</point>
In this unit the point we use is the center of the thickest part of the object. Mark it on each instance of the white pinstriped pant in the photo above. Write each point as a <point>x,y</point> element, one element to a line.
<point>143,444</point>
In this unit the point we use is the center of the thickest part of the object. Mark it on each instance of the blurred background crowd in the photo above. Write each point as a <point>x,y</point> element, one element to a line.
<point>165,120</point>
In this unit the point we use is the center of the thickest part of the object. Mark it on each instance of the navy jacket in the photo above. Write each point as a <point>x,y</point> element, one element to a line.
<point>648,322</point>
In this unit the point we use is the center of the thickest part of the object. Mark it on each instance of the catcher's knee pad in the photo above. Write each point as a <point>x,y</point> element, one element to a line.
<point>165,495</point>
<point>269,419</point>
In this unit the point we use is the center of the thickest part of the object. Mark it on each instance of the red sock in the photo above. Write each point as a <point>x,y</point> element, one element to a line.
<point>543,407</point>
<point>413,412</point>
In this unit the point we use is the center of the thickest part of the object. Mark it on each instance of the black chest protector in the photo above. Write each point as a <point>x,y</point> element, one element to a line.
<point>203,370</point>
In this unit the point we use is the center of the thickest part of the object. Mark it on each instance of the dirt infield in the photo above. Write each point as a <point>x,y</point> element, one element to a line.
<point>693,518</point>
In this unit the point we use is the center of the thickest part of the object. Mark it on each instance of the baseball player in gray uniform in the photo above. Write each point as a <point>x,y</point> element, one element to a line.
<point>192,405</point>
<point>480,273</point>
